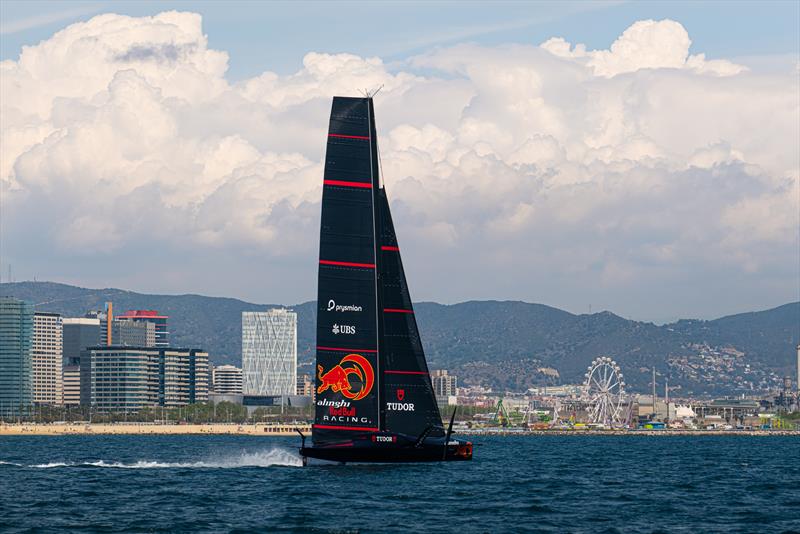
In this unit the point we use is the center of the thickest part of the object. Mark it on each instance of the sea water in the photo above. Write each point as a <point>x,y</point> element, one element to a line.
<point>514,484</point>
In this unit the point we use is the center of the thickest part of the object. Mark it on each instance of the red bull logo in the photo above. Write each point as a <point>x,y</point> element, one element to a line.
<point>338,377</point>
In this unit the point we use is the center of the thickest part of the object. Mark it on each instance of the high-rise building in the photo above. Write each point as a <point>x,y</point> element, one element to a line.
<point>226,379</point>
<point>47,358</point>
<point>444,384</point>
<point>127,379</point>
<point>16,370</point>
<point>133,333</point>
<point>305,386</point>
<point>269,352</point>
<point>151,316</point>
<point>71,384</point>
<point>105,317</point>
<point>79,333</point>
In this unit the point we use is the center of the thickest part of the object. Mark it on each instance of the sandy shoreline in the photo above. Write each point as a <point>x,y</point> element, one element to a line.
<point>142,429</point>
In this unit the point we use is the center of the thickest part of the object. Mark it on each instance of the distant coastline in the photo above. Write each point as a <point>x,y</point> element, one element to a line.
<point>62,429</point>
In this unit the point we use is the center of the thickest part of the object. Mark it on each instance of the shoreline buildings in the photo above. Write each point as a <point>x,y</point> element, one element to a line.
<point>128,379</point>
<point>269,353</point>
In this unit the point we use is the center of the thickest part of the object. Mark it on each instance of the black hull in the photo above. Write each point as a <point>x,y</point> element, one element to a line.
<point>456,451</point>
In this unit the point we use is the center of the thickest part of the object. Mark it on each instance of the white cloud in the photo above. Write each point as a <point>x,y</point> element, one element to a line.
<point>646,44</point>
<point>515,172</point>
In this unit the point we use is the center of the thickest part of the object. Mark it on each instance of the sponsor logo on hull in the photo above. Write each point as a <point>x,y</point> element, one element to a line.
<point>337,378</point>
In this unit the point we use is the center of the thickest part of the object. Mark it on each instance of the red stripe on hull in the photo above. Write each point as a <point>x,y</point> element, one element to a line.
<point>342,183</point>
<point>354,428</point>
<point>397,249</point>
<point>343,136</point>
<point>340,349</point>
<point>405,372</point>
<point>396,310</point>
<point>347,264</point>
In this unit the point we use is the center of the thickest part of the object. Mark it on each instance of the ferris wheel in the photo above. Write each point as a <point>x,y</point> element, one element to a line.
<point>604,391</point>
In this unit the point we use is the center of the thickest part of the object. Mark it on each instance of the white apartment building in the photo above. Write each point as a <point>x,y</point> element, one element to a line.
<point>226,379</point>
<point>47,357</point>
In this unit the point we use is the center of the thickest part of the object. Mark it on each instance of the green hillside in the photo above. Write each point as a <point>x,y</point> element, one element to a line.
<point>511,345</point>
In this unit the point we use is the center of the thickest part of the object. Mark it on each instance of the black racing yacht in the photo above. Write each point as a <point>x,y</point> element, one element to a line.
<point>374,397</point>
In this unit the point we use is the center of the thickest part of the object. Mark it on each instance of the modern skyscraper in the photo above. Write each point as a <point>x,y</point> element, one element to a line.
<point>127,379</point>
<point>133,333</point>
<point>80,333</point>
<point>226,379</point>
<point>47,358</point>
<point>16,370</point>
<point>269,352</point>
<point>152,316</point>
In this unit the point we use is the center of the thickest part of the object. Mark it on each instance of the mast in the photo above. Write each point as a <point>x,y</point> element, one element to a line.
<point>375,178</point>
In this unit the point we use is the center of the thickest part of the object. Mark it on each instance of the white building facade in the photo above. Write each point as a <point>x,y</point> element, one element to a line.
<point>47,357</point>
<point>226,379</point>
<point>269,352</point>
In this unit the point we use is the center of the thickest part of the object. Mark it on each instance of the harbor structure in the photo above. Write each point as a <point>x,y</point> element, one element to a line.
<point>269,352</point>
<point>226,379</point>
<point>128,379</point>
<point>47,359</point>
<point>16,347</point>
<point>158,320</point>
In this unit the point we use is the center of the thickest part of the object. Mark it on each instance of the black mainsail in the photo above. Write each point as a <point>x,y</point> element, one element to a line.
<point>374,397</point>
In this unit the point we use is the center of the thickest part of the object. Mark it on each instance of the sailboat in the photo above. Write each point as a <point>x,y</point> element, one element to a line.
<point>374,397</point>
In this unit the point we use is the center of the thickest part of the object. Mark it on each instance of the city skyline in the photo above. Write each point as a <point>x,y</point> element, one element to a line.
<point>562,165</point>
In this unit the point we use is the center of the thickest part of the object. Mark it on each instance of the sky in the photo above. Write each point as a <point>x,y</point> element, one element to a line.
<point>637,157</point>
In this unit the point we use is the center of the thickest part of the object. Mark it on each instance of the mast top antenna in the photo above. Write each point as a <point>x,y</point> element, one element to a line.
<point>370,93</point>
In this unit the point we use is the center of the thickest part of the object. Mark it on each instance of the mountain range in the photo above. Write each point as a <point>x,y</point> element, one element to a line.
<point>505,345</point>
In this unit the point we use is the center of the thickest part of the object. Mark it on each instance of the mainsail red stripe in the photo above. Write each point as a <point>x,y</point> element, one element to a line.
<point>340,349</point>
<point>391,248</point>
<point>405,372</point>
<point>397,310</point>
<point>356,428</point>
<point>363,185</point>
<point>347,264</point>
<point>343,136</point>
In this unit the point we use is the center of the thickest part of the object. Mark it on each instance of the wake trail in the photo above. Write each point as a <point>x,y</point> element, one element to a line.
<point>270,458</point>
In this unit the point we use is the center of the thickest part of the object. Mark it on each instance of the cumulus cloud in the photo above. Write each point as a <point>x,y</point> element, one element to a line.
<point>647,44</point>
<point>549,173</point>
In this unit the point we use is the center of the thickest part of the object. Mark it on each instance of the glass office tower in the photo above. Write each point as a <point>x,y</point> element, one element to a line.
<point>16,347</point>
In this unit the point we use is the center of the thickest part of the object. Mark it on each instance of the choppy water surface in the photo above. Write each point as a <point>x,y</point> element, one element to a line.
<point>515,484</point>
